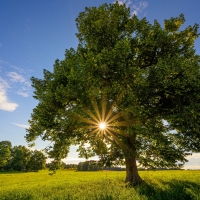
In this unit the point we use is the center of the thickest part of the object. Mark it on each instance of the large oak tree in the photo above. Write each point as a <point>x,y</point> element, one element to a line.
<point>141,80</point>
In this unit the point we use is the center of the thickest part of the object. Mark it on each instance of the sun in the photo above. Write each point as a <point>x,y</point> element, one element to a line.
<point>103,121</point>
<point>102,125</point>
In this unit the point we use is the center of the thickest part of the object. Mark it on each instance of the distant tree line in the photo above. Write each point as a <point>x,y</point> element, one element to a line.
<point>81,166</point>
<point>90,165</point>
<point>57,164</point>
<point>115,168</point>
<point>71,166</point>
<point>93,165</point>
<point>20,158</point>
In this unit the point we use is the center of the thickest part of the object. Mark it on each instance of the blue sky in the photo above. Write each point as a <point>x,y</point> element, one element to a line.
<point>35,33</point>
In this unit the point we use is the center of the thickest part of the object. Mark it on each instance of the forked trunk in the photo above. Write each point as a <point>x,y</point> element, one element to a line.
<point>132,175</point>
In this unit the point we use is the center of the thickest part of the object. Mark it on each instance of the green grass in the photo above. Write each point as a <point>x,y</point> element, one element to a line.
<point>163,185</point>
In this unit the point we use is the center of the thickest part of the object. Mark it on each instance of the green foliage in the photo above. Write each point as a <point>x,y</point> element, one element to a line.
<point>5,152</point>
<point>56,164</point>
<point>148,76</point>
<point>37,161</point>
<point>20,158</point>
<point>160,185</point>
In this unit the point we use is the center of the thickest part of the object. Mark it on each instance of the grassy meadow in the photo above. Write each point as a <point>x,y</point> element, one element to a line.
<point>102,185</point>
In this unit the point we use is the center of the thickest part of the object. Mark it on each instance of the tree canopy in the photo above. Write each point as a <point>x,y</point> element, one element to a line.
<point>141,80</point>
<point>5,152</point>
<point>20,158</point>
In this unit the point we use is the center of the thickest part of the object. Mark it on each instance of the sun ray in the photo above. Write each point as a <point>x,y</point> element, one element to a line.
<point>110,112</point>
<point>123,123</point>
<point>118,115</point>
<point>118,131</point>
<point>117,140</point>
<point>112,135</point>
<point>94,131</point>
<point>101,135</point>
<point>94,103</point>
<point>104,106</point>
<point>91,127</point>
<point>113,105</point>
<point>104,121</point>
<point>97,135</point>
<point>86,120</point>
<point>87,111</point>
<point>107,138</point>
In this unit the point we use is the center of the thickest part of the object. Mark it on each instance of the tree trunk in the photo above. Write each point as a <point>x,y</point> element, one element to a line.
<point>132,175</point>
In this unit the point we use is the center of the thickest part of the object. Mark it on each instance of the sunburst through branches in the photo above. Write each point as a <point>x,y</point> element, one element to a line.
<point>102,125</point>
<point>104,120</point>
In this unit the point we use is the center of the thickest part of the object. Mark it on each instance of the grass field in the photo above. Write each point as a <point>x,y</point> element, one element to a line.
<point>103,185</point>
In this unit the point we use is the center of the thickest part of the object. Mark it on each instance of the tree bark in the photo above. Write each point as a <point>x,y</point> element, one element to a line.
<point>132,175</point>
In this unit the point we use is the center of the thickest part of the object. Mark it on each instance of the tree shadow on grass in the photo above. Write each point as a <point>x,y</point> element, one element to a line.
<point>175,190</point>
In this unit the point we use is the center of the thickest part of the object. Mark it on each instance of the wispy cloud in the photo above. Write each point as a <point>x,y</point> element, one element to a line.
<point>24,91</point>
<point>127,2</point>
<point>21,125</point>
<point>136,7</point>
<point>18,78</point>
<point>20,70</point>
<point>139,7</point>
<point>0,44</point>
<point>15,77</point>
<point>3,84</point>
<point>24,94</point>
<point>5,104</point>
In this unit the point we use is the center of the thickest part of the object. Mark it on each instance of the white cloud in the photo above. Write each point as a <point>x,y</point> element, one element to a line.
<point>21,125</point>
<point>76,160</point>
<point>0,44</point>
<point>136,8</point>
<point>15,77</point>
<point>5,104</point>
<point>18,78</point>
<point>194,156</point>
<point>73,158</point>
<point>12,78</point>
<point>193,161</point>
<point>127,2</point>
<point>69,160</point>
<point>194,166</point>
<point>24,94</point>
<point>3,84</point>
<point>24,91</point>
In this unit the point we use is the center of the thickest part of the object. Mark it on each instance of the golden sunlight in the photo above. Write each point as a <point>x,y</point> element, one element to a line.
<point>102,125</point>
<point>103,121</point>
